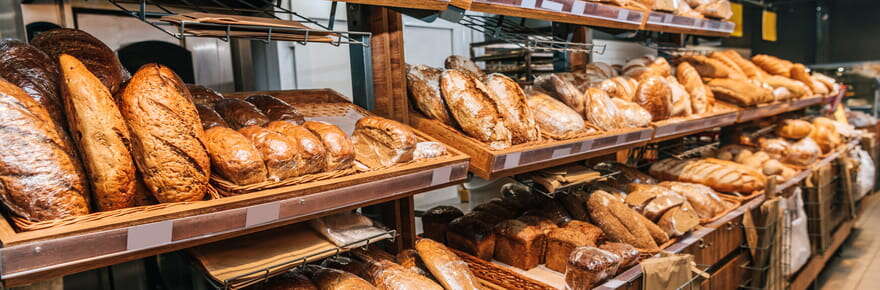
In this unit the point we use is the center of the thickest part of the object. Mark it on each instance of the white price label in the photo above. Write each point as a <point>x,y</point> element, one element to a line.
<point>441,175</point>
<point>667,18</point>
<point>550,5</point>
<point>512,160</point>
<point>149,235</point>
<point>261,214</point>
<point>623,14</point>
<point>561,152</point>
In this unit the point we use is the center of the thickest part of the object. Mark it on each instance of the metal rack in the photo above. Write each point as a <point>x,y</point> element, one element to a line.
<point>148,10</point>
<point>504,29</point>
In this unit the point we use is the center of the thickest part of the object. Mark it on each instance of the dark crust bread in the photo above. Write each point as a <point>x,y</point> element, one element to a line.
<point>276,109</point>
<point>100,59</point>
<point>239,114</point>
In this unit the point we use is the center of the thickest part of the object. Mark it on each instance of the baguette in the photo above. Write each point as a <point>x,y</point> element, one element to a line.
<point>448,268</point>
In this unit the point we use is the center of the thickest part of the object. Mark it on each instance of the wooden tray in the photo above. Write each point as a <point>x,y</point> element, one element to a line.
<point>490,164</point>
<point>415,4</point>
<point>666,22</point>
<point>568,11</point>
<point>39,254</point>
<point>674,128</point>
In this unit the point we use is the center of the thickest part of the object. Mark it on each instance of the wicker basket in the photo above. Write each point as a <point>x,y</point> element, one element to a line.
<point>25,225</point>
<point>496,277</point>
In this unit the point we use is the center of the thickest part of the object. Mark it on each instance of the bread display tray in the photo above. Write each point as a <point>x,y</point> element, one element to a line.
<point>112,238</point>
<point>489,163</point>
<point>493,276</point>
<point>673,128</point>
<point>666,22</point>
<point>767,110</point>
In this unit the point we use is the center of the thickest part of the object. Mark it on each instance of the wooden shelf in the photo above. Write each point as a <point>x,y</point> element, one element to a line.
<point>435,5</point>
<point>668,129</point>
<point>665,22</point>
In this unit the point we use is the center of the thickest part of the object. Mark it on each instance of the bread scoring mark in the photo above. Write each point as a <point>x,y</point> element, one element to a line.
<point>179,151</point>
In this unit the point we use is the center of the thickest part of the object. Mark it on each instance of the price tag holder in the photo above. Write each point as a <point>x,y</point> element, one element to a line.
<point>561,152</point>
<point>512,160</point>
<point>441,175</point>
<point>261,214</point>
<point>149,235</point>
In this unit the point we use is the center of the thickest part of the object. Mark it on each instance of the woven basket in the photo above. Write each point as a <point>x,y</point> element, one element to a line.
<point>229,188</point>
<point>24,225</point>
<point>743,198</point>
<point>495,277</point>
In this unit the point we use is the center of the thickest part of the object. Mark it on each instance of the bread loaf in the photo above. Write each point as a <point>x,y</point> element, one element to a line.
<point>629,255</point>
<point>275,109</point>
<point>720,175</point>
<point>379,142</point>
<point>711,68</point>
<point>102,135</point>
<point>681,100</point>
<point>773,65</point>
<point>166,134</point>
<point>234,156</point>
<point>435,221</point>
<point>280,154</point>
<point>35,73</point>
<point>620,87</point>
<point>655,95</point>
<point>332,279</point>
<point>511,102</point>
<point>564,91</point>
<point>423,85</point>
<point>803,152</point>
<point>449,269</point>
<point>825,134</point>
<point>339,149</point>
<point>799,73</point>
<point>209,117</point>
<point>740,92</point>
<point>797,89</point>
<point>410,259</point>
<point>464,64</point>
<point>776,148</point>
<point>519,244</point>
<point>311,148</point>
<point>633,115</point>
<point>203,96</point>
<point>94,54</point>
<point>601,111</point>
<point>239,114</point>
<point>40,180</point>
<point>736,70</point>
<point>287,281</point>
<point>392,276</point>
<point>702,98</point>
<point>748,67</point>
<point>560,243</point>
<point>589,266</point>
<point>473,108</point>
<point>718,9</point>
<point>473,234</point>
<point>678,221</point>
<point>555,119</point>
<point>618,221</point>
<point>702,199</point>
<point>600,70</point>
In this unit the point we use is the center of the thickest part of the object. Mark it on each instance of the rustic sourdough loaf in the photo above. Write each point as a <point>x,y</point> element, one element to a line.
<point>234,156</point>
<point>166,134</point>
<point>276,109</point>
<point>94,54</point>
<point>311,149</point>
<point>340,150</point>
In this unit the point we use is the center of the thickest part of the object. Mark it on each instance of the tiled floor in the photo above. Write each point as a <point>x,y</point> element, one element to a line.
<point>857,263</point>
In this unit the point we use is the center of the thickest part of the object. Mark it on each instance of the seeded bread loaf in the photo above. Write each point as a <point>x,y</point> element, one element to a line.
<point>311,148</point>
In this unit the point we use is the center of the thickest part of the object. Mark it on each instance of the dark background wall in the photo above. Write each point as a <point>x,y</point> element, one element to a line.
<point>854,27</point>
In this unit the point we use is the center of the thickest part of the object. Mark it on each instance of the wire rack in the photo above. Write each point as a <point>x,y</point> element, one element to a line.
<point>772,271</point>
<point>507,30</point>
<point>149,12</point>
<point>290,265</point>
<point>524,179</point>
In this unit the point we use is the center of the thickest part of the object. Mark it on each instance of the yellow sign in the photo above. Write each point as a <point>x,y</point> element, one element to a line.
<point>768,26</point>
<point>737,19</point>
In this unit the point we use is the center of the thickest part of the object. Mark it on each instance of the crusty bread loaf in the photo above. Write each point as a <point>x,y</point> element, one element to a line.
<point>740,92</point>
<point>511,103</point>
<point>803,152</point>
<point>825,134</point>
<point>435,221</point>
<point>474,109</point>
<point>519,244</point>
<point>473,233</point>
<point>280,154</point>
<point>681,99</point>
<point>338,147</point>
<point>166,134</point>
<point>239,114</point>
<point>799,73</point>
<point>410,259</point>
<point>560,243</point>
<point>234,156</point>
<point>333,279</point>
<point>209,117</point>
<point>554,118</point>
<point>711,68</point>
<point>601,111</point>
<point>718,9</point>
<point>703,199</point>
<point>40,180</point>
<point>589,266</point>
<point>102,135</point>
<point>461,63</point>
<point>619,222</point>
<point>449,269</point>
<point>702,98</point>
<point>311,148</point>
<point>202,95</point>
<point>94,54</point>
<point>720,175</point>
<point>655,95</point>
<point>388,275</point>
<point>748,67</point>
<point>423,85</point>
<point>736,70</point>
<point>678,221</point>
<point>275,109</point>
<point>35,73</point>
<point>381,142</point>
<point>562,90</point>
<point>773,65</point>
<point>798,89</point>
<point>629,255</point>
<point>620,87</point>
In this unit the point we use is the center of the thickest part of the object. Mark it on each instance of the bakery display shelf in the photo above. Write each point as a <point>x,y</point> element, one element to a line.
<point>504,30</point>
<point>111,239</point>
<point>666,22</point>
<point>763,111</point>
<point>674,128</point>
<point>574,12</point>
<point>435,5</point>
<point>514,55</point>
<point>489,164</point>
<point>183,19</point>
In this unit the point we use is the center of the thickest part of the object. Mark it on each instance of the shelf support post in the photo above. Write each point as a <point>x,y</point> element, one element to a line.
<point>361,57</point>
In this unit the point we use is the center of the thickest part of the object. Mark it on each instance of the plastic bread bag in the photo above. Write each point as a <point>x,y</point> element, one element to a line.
<point>425,150</point>
<point>803,152</point>
<point>629,255</point>
<point>633,115</point>
<point>589,266</point>
<point>601,111</point>
<point>349,230</point>
<point>799,237</point>
<point>866,172</point>
<point>860,119</point>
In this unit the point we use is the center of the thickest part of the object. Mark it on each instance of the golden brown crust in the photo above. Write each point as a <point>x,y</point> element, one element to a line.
<point>102,135</point>
<point>737,71</point>
<point>773,65</point>
<point>234,156</point>
<point>720,175</point>
<point>464,64</point>
<point>511,103</point>
<point>474,109</point>
<point>339,149</point>
<point>619,87</point>
<point>711,68</point>
<point>702,98</point>
<point>312,152</point>
<point>167,135</point>
<point>562,90</point>
<point>448,268</point>
<point>619,222</point>
<point>553,117</point>
<point>678,221</point>
<point>280,154</point>
<point>655,95</point>
<point>381,142</point>
<point>748,67</point>
<point>799,73</point>
<point>423,85</point>
<point>794,129</point>
<point>519,244</point>
<point>797,89</point>
<point>740,92</point>
<point>94,54</point>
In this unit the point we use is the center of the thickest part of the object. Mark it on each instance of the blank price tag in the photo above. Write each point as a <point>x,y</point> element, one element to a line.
<point>622,14</point>
<point>561,152</point>
<point>768,26</point>
<point>667,18</point>
<point>261,214</point>
<point>149,235</point>
<point>441,175</point>
<point>512,160</point>
<point>614,283</point>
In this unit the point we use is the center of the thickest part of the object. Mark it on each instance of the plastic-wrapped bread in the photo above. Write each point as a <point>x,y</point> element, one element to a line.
<point>629,255</point>
<point>381,142</point>
<point>447,268</point>
<point>681,100</point>
<point>705,201</point>
<point>678,221</point>
<point>711,68</point>
<point>423,85</point>
<point>474,109</point>
<point>620,87</point>
<point>311,148</point>
<point>748,67</point>
<point>234,157</point>
<point>702,98</point>
<point>239,114</point>
<point>798,89</point>
<point>794,129</point>
<point>804,152</point>
<point>773,65</point>
<point>333,279</point>
<point>799,73</point>
<point>275,109</point>
<point>719,9</point>
<point>462,63</point>
<point>720,175</point>
<point>619,222</point>
<point>202,95</point>
<point>563,91</point>
<point>740,92</point>
<point>101,133</point>
<point>601,111</point>
<point>589,266</point>
<point>554,118</point>
<point>280,154</point>
<point>167,135</point>
<point>513,107</point>
<point>655,95</point>
<point>338,147</point>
